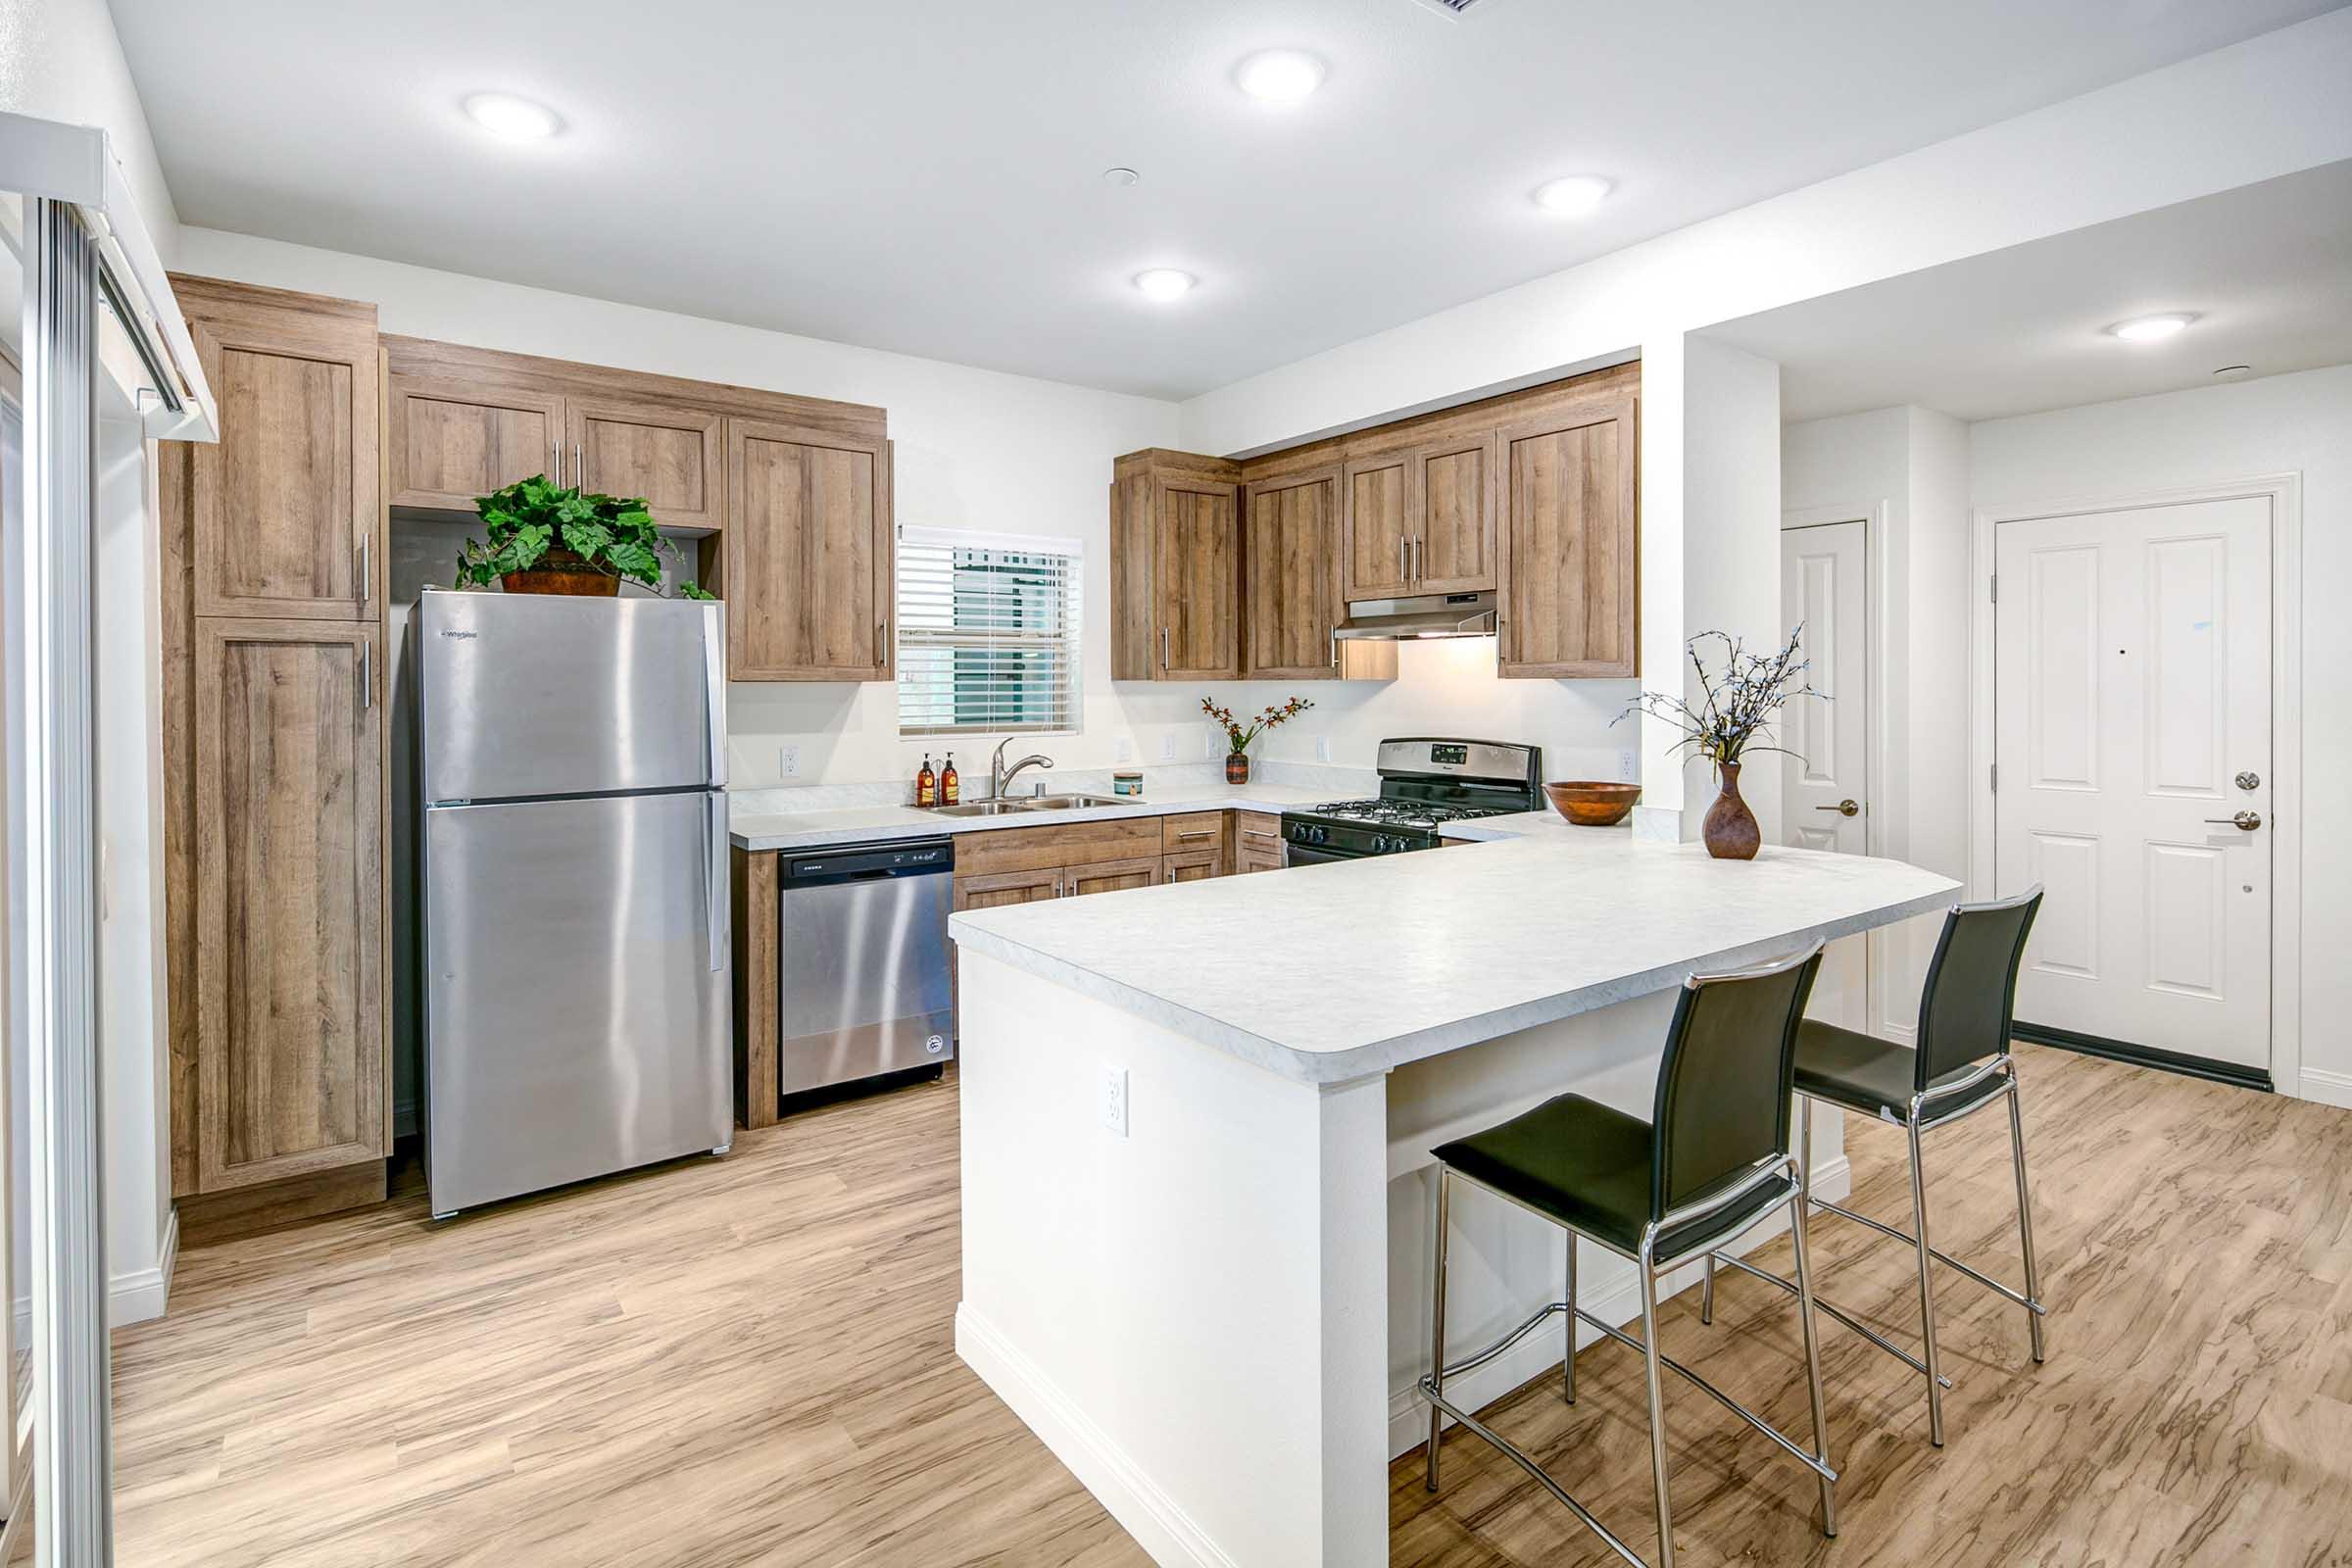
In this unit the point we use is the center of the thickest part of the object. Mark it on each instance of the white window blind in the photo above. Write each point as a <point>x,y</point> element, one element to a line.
<point>987,632</point>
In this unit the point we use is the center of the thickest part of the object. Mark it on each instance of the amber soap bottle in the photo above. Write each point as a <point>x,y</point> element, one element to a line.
<point>948,783</point>
<point>926,784</point>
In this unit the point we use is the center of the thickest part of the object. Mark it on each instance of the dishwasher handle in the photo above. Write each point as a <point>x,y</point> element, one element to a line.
<point>868,862</point>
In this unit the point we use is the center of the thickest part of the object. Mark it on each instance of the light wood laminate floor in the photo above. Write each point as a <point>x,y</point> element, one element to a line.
<point>751,1361</point>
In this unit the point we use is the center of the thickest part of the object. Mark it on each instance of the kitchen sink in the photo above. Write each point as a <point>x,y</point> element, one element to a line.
<point>1023,805</point>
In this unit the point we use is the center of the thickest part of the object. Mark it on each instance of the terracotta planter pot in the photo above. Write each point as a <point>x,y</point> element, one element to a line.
<point>1237,767</point>
<point>1731,832</point>
<point>562,571</point>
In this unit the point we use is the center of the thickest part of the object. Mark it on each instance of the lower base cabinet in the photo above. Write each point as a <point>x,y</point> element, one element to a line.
<point>1256,841</point>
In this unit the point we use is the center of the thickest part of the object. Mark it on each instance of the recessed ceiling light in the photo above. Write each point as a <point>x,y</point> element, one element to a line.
<point>1280,76</point>
<point>1121,178</point>
<point>2234,373</point>
<point>1575,195</point>
<point>1165,283</point>
<point>2149,328</point>
<point>515,119</point>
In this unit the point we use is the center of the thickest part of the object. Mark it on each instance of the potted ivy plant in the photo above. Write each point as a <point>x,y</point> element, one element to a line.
<point>547,538</point>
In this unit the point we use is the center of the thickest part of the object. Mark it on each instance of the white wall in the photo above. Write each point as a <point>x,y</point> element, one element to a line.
<point>59,60</point>
<point>1910,464</point>
<point>2288,424</point>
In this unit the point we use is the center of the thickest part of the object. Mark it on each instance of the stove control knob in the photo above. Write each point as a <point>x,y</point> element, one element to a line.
<point>1297,832</point>
<point>1322,834</point>
<point>1380,844</point>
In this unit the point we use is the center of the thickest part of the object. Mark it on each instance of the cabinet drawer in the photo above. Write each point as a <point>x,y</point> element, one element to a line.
<point>1033,849</point>
<point>1194,830</point>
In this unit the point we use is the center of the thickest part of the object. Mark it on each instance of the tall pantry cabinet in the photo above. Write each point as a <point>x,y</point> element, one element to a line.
<point>275,680</point>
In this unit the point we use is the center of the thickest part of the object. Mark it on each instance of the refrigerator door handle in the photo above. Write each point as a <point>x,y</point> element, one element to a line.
<point>715,881</point>
<point>714,693</point>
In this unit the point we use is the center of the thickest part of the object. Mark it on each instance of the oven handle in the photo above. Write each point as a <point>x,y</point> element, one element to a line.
<point>1301,855</point>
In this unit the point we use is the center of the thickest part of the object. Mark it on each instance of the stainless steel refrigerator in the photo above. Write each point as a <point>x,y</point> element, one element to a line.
<point>572,862</point>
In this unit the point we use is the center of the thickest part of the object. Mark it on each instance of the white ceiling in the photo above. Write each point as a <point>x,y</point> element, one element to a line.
<point>2267,268</point>
<point>924,174</point>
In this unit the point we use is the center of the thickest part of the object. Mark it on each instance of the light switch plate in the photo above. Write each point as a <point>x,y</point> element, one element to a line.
<point>788,761</point>
<point>1626,769</point>
<point>1322,748</point>
<point>1167,748</point>
<point>1114,1101</point>
<point>1122,750</point>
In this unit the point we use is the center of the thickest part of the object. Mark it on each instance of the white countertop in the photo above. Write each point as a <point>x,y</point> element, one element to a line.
<point>1328,972</point>
<point>804,830</point>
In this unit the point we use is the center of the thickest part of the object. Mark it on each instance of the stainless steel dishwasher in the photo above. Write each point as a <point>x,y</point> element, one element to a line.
<point>861,962</point>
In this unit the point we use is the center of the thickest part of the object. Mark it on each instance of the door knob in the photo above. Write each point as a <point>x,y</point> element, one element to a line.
<point>1845,807</point>
<point>2244,822</point>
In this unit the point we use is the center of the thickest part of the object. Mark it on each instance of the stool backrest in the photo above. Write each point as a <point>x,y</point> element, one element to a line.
<point>1965,1009</point>
<point>1723,1084</point>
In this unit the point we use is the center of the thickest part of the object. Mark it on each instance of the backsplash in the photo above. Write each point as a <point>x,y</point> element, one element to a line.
<point>1339,783</point>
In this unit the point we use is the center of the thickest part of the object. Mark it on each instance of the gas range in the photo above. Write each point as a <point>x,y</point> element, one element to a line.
<point>1424,784</point>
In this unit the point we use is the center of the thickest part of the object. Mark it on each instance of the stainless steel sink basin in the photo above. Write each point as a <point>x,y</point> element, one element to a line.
<point>1022,805</point>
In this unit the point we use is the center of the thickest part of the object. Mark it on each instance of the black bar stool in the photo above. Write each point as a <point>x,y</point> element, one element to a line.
<point>1712,1160</point>
<point>1962,1065</point>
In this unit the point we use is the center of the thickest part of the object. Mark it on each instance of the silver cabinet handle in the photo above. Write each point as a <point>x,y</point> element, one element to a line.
<point>1846,807</point>
<point>1198,833</point>
<point>714,693</point>
<point>882,643</point>
<point>1409,561</point>
<point>2244,822</point>
<point>1163,648</point>
<point>366,588</point>
<point>554,458</point>
<point>1262,833</point>
<point>367,673</point>
<point>579,468</point>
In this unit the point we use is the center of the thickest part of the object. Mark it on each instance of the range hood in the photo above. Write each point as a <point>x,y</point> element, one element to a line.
<point>1428,615</point>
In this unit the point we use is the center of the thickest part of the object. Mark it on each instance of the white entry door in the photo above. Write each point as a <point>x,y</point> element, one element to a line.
<point>1824,783</point>
<point>2132,744</point>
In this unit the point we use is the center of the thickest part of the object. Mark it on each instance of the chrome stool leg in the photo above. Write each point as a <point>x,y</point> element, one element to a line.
<point>1706,1292</point>
<point>1436,1315</point>
<point>1926,1285</point>
<point>1657,1406</point>
<point>1804,1311</point>
<point>2025,1214</point>
<point>1568,1358</point>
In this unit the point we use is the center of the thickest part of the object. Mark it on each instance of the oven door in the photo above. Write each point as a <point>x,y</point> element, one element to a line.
<point>1301,855</point>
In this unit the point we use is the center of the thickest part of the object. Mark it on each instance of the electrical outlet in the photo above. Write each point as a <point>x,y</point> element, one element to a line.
<point>1627,768</point>
<point>1114,1101</point>
<point>1167,748</point>
<point>1122,750</point>
<point>1322,748</point>
<point>788,761</point>
<point>1212,747</point>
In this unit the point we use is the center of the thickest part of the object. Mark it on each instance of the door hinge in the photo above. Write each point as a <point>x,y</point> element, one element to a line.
<point>1996,778</point>
<point>1992,585</point>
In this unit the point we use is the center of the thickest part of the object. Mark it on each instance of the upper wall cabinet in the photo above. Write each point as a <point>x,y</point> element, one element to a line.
<point>1569,542</point>
<point>1377,534</point>
<point>1175,568</point>
<point>451,441</point>
<point>1291,580</point>
<point>1420,520</point>
<point>807,555</point>
<point>669,455</point>
<point>284,513</point>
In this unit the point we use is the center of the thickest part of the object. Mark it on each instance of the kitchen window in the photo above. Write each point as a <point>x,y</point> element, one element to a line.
<point>987,632</point>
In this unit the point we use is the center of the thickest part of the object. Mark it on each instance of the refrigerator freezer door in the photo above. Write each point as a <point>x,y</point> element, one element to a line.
<point>578,990</point>
<point>536,694</point>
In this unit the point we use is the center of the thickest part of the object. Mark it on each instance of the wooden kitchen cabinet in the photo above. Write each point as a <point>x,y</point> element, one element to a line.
<point>1454,516</point>
<point>994,890</point>
<point>284,513</point>
<point>1110,876</point>
<point>1176,567</point>
<point>449,441</point>
<point>1375,526</point>
<point>1570,544</point>
<point>1192,865</point>
<point>668,453</point>
<point>807,555</point>
<point>1256,841</point>
<point>1291,585</point>
<point>290,1038</point>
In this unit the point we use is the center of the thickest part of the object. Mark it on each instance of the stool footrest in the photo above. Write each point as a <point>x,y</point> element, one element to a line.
<point>1720,1397</point>
<point>1542,1476</point>
<point>1473,1362</point>
<point>1838,1313</point>
<point>1948,1260</point>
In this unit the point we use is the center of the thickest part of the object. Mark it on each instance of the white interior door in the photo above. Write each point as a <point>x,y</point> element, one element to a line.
<point>2133,725</point>
<point>1824,778</point>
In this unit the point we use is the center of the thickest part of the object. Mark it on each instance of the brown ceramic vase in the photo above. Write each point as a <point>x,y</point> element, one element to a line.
<point>1731,832</point>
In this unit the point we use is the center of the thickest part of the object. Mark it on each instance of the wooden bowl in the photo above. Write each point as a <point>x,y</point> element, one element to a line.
<point>1591,804</point>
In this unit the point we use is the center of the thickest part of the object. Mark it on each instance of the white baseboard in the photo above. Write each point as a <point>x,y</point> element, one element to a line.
<point>2327,1088</point>
<point>141,1295</point>
<point>1615,1299</point>
<point>1146,1514</point>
